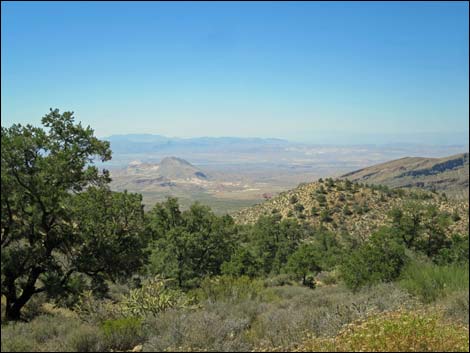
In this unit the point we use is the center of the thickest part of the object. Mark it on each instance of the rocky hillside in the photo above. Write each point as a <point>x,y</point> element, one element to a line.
<point>356,208</point>
<point>449,174</point>
<point>170,168</point>
<point>170,174</point>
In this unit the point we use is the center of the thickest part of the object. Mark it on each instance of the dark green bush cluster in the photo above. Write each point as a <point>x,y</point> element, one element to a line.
<point>415,229</point>
<point>378,260</point>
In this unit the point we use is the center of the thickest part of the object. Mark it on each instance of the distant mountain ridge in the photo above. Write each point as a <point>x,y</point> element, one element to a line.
<point>147,143</point>
<point>449,174</point>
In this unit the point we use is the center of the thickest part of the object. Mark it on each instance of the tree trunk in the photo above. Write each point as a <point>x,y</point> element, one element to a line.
<point>14,305</point>
<point>12,312</point>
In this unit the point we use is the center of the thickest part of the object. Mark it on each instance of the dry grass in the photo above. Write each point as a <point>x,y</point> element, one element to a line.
<point>329,318</point>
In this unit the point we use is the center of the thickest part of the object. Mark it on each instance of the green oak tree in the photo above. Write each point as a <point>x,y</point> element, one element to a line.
<point>57,218</point>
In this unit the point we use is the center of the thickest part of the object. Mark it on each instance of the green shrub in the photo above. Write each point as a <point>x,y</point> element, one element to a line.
<point>346,210</point>
<point>430,282</point>
<point>456,217</point>
<point>321,199</point>
<point>122,334</point>
<point>457,251</point>
<point>293,199</point>
<point>314,211</point>
<point>325,216</point>
<point>358,209</point>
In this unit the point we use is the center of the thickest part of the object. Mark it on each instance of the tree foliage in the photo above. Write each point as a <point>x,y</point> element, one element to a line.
<point>189,245</point>
<point>53,225</point>
<point>380,259</point>
<point>303,261</point>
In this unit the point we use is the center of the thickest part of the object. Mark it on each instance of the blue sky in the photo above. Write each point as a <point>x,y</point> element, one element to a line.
<point>316,72</point>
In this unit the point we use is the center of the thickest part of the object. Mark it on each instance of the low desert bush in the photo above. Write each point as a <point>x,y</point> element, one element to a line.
<point>229,289</point>
<point>396,331</point>
<point>85,339</point>
<point>328,277</point>
<point>93,310</point>
<point>322,312</point>
<point>456,306</point>
<point>253,322</point>
<point>215,327</point>
<point>50,333</point>
<point>283,279</point>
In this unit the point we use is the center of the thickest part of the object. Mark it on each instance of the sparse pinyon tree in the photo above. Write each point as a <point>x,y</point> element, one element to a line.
<point>58,218</point>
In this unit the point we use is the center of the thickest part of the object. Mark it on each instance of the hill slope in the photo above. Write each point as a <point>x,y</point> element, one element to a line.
<point>340,205</point>
<point>169,169</point>
<point>170,173</point>
<point>177,177</point>
<point>449,174</point>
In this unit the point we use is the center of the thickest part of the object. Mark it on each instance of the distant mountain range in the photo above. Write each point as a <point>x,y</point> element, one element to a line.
<point>259,153</point>
<point>147,143</point>
<point>448,174</point>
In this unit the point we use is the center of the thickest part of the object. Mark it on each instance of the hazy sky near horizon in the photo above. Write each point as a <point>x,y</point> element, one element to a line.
<point>313,72</point>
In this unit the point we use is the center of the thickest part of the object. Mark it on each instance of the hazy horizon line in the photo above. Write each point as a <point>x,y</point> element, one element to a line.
<point>354,139</point>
